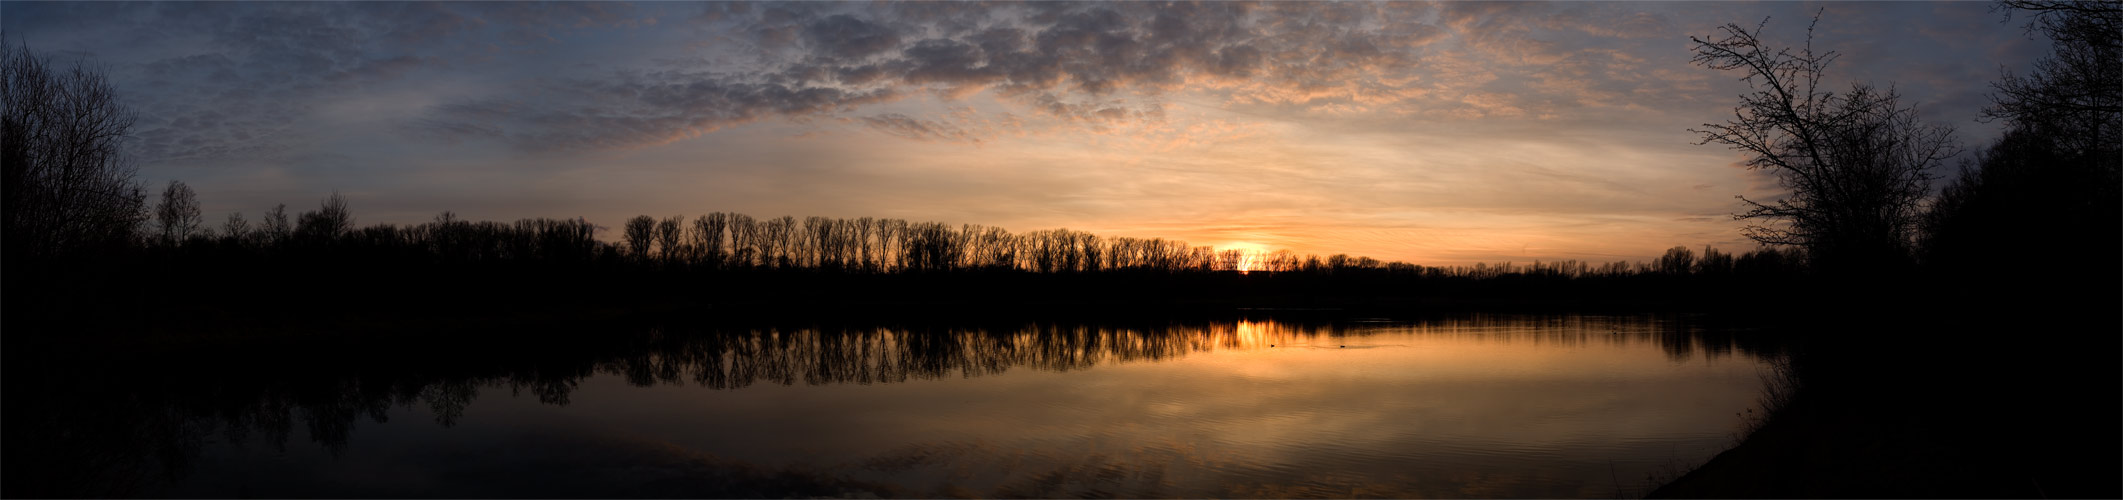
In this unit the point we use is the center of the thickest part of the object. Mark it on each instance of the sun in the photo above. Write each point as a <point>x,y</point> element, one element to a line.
<point>1244,257</point>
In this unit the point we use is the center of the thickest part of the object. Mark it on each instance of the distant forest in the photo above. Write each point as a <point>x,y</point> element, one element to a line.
<point>733,242</point>
<point>328,265</point>
<point>84,241</point>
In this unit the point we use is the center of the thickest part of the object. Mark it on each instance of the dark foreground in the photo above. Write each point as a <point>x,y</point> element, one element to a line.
<point>1952,412</point>
<point>651,406</point>
<point>1924,397</point>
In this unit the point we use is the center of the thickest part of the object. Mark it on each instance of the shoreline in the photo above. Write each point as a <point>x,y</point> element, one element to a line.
<point>1964,401</point>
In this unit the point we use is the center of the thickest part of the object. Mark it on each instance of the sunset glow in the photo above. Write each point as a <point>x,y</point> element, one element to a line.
<point>1431,133</point>
<point>1061,249</point>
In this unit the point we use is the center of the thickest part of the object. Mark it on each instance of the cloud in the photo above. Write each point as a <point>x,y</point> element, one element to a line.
<point>592,76</point>
<point>922,130</point>
<point>245,76</point>
<point>846,37</point>
<point>1092,64</point>
<point>213,81</point>
<point>1589,19</point>
<point>635,109</point>
<point>373,70</point>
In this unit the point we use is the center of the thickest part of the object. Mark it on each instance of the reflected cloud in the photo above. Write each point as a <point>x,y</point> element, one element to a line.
<point>151,420</point>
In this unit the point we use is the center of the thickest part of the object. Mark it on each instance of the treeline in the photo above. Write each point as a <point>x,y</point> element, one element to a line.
<point>84,241</point>
<point>317,266</point>
<point>739,242</point>
<point>2050,189</point>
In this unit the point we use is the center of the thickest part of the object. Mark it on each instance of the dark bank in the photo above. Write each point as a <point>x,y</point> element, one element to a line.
<point>1888,339</point>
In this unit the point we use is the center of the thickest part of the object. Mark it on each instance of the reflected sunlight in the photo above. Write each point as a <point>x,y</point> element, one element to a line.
<point>1249,334</point>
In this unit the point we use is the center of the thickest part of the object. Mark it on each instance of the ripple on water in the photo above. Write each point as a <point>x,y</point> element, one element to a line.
<point>1496,406</point>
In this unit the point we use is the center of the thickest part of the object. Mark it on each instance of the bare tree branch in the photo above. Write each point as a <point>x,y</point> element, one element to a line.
<point>1857,162</point>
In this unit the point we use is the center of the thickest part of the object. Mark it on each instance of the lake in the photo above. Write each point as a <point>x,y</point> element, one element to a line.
<point>1460,406</point>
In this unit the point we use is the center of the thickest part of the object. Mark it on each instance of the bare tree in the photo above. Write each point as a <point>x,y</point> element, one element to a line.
<point>816,244</point>
<point>1857,163</point>
<point>669,233</point>
<point>64,185</point>
<point>1713,262</point>
<point>1677,261</point>
<point>864,227</point>
<point>743,231</point>
<point>331,220</point>
<point>2075,94</point>
<point>640,234</point>
<point>177,216</point>
<point>274,227</point>
<point>2056,175</point>
<point>781,236</point>
<point>708,238</point>
<point>236,228</point>
<point>1230,260</point>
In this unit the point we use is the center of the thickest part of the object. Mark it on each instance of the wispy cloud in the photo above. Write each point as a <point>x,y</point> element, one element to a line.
<point>1445,131</point>
<point>918,129</point>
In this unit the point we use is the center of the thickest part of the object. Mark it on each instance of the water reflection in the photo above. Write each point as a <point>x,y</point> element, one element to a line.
<point>864,355</point>
<point>132,425</point>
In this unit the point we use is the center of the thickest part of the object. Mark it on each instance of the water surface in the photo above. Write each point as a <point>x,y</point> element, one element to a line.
<point>1472,406</point>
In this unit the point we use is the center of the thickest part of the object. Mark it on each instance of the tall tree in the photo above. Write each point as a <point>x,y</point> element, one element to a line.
<point>669,234</point>
<point>640,235</point>
<point>2075,94</point>
<point>64,183</point>
<point>274,227</point>
<point>708,238</point>
<point>177,216</point>
<point>1857,163</point>
<point>2056,176</point>
<point>1677,261</point>
<point>236,229</point>
<point>331,220</point>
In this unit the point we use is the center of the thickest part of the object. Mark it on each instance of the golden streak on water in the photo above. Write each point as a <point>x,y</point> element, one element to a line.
<point>1249,334</point>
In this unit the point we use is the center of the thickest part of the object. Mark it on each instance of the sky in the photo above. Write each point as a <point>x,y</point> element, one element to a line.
<point>1431,133</point>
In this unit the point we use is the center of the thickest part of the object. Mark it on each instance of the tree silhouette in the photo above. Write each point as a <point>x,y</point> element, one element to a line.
<point>1857,162</point>
<point>64,184</point>
<point>177,216</point>
<point>331,220</point>
<point>1713,263</point>
<point>2072,93</point>
<point>742,234</point>
<point>708,239</point>
<point>1678,261</point>
<point>640,234</point>
<point>2057,174</point>
<point>236,228</point>
<point>669,235</point>
<point>273,227</point>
